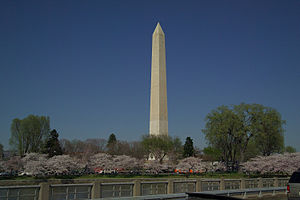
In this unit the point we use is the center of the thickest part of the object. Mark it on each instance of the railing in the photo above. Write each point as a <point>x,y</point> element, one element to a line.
<point>210,184</point>
<point>184,186</point>
<point>153,188</point>
<point>232,184</point>
<point>252,183</point>
<point>70,191</point>
<point>267,182</point>
<point>282,182</point>
<point>20,192</point>
<point>117,188</point>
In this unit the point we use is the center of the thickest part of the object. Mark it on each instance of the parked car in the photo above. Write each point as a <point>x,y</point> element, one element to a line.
<point>293,187</point>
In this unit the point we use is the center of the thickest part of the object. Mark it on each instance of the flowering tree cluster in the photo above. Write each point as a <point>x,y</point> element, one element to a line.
<point>13,164</point>
<point>156,167</point>
<point>40,165</point>
<point>34,164</point>
<point>126,162</point>
<point>2,166</point>
<point>102,160</point>
<point>279,163</point>
<point>192,163</point>
<point>198,165</point>
<point>63,164</point>
<point>107,161</point>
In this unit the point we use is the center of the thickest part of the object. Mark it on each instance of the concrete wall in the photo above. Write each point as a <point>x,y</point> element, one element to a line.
<point>199,184</point>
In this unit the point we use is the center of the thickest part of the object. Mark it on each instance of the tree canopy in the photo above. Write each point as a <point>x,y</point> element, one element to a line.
<point>28,134</point>
<point>269,131</point>
<point>284,164</point>
<point>1,151</point>
<point>160,146</point>
<point>290,149</point>
<point>112,144</point>
<point>52,145</point>
<point>188,148</point>
<point>212,154</point>
<point>230,129</point>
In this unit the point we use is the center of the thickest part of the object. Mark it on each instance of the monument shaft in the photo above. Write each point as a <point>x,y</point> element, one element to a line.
<point>158,99</point>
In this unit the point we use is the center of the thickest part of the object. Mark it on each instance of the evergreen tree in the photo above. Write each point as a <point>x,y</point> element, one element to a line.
<point>112,144</point>
<point>1,151</point>
<point>52,146</point>
<point>188,148</point>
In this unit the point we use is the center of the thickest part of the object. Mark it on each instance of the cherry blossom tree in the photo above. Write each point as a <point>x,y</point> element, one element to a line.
<point>192,163</point>
<point>34,164</point>
<point>278,163</point>
<point>156,167</point>
<point>102,160</point>
<point>2,166</point>
<point>13,164</point>
<point>107,161</point>
<point>126,162</point>
<point>62,165</point>
<point>198,165</point>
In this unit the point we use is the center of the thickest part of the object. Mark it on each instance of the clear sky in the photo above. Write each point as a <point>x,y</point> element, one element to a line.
<point>86,64</point>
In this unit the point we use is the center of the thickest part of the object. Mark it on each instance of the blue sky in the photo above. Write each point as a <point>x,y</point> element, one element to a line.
<point>86,64</point>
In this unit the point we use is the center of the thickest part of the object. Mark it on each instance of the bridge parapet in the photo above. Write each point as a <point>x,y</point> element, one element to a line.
<point>118,188</point>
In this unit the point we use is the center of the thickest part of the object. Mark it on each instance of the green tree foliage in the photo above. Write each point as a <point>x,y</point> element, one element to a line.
<point>52,145</point>
<point>112,144</point>
<point>28,134</point>
<point>177,150</point>
<point>251,151</point>
<point>230,130</point>
<point>134,149</point>
<point>290,149</point>
<point>188,148</point>
<point>212,154</point>
<point>269,132</point>
<point>160,146</point>
<point>224,132</point>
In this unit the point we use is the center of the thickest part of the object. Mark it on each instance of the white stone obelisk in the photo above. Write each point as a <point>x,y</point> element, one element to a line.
<point>158,100</point>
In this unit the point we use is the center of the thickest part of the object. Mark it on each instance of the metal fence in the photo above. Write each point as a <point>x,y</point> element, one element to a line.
<point>19,192</point>
<point>232,184</point>
<point>70,191</point>
<point>267,182</point>
<point>116,190</point>
<point>184,186</point>
<point>153,188</point>
<point>210,184</point>
<point>282,182</point>
<point>251,183</point>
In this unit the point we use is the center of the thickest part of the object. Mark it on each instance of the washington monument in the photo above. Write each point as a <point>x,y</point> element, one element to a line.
<point>158,100</point>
